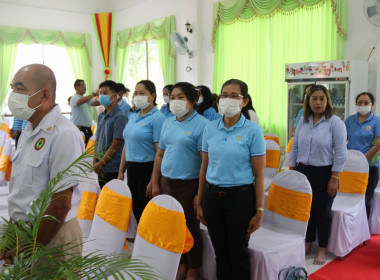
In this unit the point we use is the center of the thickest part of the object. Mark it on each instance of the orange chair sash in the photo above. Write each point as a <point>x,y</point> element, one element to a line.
<point>114,208</point>
<point>165,228</point>
<point>289,146</point>
<point>353,182</point>
<point>4,162</point>
<point>292,204</point>
<point>272,158</point>
<point>87,205</point>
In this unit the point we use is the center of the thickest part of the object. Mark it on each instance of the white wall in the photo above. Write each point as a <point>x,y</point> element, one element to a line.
<point>362,37</point>
<point>52,19</point>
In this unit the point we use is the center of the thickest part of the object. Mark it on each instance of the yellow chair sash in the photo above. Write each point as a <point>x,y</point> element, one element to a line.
<point>9,172</point>
<point>114,208</point>
<point>292,204</point>
<point>4,161</point>
<point>90,144</point>
<point>87,205</point>
<point>353,182</point>
<point>1,149</point>
<point>165,228</point>
<point>274,138</point>
<point>272,158</point>
<point>5,128</point>
<point>289,146</point>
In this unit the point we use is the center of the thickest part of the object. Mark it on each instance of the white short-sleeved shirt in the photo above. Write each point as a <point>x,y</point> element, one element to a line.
<point>41,153</point>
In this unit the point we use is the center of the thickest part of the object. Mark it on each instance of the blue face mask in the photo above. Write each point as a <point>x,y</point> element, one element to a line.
<point>104,100</point>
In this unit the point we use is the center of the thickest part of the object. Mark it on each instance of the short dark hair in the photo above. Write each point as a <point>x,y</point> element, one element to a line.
<point>149,86</point>
<point>121,87</point>
<point>109,83</point>
<point>189,90</point>
<point>307,112</point>
<point>77,83</point>
<point>168,87</point>
<point>370,95</point>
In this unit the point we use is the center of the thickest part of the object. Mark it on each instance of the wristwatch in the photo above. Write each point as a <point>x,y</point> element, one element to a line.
<point>260,209</point>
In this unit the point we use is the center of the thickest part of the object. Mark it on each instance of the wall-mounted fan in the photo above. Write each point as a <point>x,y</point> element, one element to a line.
<point>372,11</point>
<point>180,44</point>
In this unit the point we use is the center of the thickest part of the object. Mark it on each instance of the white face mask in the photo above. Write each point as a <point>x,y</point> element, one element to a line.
<point>178,107</point>
<point>229,107</point>
<point>141,102</point>
<point>166,99</point>
<point>200,100</point>
<point>363,110</point>
<point>18,104</point>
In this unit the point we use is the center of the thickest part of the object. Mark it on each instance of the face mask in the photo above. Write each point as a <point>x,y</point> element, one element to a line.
<point>363,110</point>
<point>141,102</point>
<point>178,107</point>
<point>166,99</point>
<point>229,107</point>
<point>200,100</point>
<point>18,104</point>
<point>105,100</point>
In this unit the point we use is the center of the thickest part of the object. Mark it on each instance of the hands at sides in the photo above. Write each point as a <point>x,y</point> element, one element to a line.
<point>200,216</point>
<point>98,168</point>
<point>332,187</point>
<point>255,223</point>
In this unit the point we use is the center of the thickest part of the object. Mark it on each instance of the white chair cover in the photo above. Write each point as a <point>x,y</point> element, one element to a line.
<point>163,261</point>
<point>105,236</point>
<point>5,161</point>
<point>374,218</point>
<point>279,243</point>
<point>4,191</point>
<point>273,155</point>
<point>349,225</point>
<point>89,187</point>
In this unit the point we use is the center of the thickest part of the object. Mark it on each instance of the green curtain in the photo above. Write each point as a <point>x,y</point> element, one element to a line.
<point>8,57</point>
<point>256,52</point>
<point>158,29</point>
<point>78,45</point>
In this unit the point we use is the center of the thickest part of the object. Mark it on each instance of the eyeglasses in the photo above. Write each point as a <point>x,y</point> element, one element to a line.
<point>232,96</point>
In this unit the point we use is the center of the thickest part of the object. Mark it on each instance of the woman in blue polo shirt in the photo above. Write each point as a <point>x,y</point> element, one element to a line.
<point>166,96</point>
<point>177,164</point>
<point>363,132</point>
<point>141,136</point>
<point>319,152</point>
<point>231,182</point>
<point>206,104</point>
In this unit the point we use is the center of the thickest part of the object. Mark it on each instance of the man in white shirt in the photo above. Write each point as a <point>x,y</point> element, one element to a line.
<point>48,145</point>
<point>80,105</point>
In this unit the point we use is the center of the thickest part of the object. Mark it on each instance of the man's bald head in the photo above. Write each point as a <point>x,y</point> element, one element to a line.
<point>39,76</point>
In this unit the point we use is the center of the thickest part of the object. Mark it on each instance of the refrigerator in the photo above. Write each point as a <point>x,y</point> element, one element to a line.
<point>344,79</point>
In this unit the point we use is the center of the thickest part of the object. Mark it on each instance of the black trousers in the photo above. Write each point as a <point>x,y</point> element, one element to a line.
<point>87,133</point>
<point>139,174</point>
<point>227,212</point>
<point>320,214</point>
<point>373,179</point>
<point>106,178</point>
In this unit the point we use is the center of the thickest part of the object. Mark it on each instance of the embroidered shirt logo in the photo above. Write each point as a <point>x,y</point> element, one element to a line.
<point>143,124</point>
<point>368,128</point>
<point>238,138</point>
<point>187,133</point>
<point>39,144</point>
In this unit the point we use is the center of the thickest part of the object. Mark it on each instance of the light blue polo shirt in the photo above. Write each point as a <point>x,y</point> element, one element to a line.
<point>230,151</point>
<point>141,133</point>
<point>81,114</point>
<point>361,135</point>
<point>182,143</point>
<point>165,110</point>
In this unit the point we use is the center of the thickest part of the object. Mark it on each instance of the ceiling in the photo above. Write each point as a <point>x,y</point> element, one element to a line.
<point>77,6</point>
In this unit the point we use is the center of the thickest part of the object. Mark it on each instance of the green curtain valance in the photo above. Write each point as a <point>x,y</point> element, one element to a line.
<point>15,35</point>
<point>229,11</point>
<point>157,29</point>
